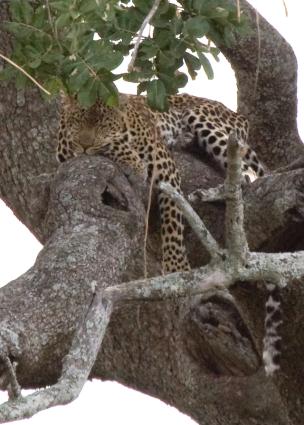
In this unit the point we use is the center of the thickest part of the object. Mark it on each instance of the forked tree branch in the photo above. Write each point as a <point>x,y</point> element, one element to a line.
<point>226,267</point>
<point>77,366</point>
<point>194,220</point>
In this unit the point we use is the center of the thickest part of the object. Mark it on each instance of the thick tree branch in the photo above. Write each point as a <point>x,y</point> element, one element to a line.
<point>78,253</point>
<point>145,347</point>
<point>275,98</point>
<point>197,282</point>
<point>76,367</point>
<point>194,221</point>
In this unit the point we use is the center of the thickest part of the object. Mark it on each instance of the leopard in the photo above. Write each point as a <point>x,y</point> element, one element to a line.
<point>127,135</point>
<point>133,134</point>
<point>205,123</point>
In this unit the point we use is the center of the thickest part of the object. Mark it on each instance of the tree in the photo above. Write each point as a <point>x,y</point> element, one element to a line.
<point>201,355</point>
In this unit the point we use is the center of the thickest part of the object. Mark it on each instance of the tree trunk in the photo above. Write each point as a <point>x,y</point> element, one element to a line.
<point>90,218</point>
<point>265,67</point>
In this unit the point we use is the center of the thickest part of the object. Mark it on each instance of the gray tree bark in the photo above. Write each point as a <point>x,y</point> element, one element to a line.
<point>205,358</point>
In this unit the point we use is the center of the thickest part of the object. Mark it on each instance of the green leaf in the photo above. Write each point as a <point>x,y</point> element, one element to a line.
<point>192,63</point>
<point>40,18</point>
<point>27,11</point>
<point>219,12</point>
<point>61,6</point>
<point>135,76</point>
<point>178,48</point>
<point>20,31</point>
<point>100,55</point>
<point>21,11</point>
<point>196,27</point>
<point>53,85</point>
<point>63,20</point>
<point>163,37</point>
<point>228,36</point>
<point>79,78</point>
<point>52,56</point>
<point>109,62</point>
<point>173,83</point>
<point>142,87</point>
<point>206,65</point>
<point>88,6</point>
<point>165,60</point>
<point>87,95</point>
<point>199,6</point>
<point>108,93</point>
<point>147,49</point>
<point>75,14</point>
<point>35,63</point>
<point>143,5</point>
<point>166,13</point>
<point>156,95</point>
<point>215,53</point>
<point>181,79</point>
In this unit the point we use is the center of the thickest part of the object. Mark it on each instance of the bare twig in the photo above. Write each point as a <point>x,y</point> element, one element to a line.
<point>148,210</point>
<point>285,8</point>
<point>25,73</point>
<point>194,221</point>
<point>140,33</point>
<point>77,366</point>
<point>238,9</point>
<point>214,194</point>
<point>257,72</point>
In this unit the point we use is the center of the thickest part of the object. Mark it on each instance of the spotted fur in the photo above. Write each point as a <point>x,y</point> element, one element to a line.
<point>272,340</point>
<point>135,135</point>
<point>128,136</point>
<point>207,123</point>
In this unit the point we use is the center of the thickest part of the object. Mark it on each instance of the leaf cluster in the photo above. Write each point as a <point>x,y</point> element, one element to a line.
<point>78,45</point>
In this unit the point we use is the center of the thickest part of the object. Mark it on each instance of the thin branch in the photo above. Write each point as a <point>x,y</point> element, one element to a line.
<point>238,10</point>
<point>140,33</point>
<point>50,17</point>
<point>213,194</point>
<point>199,281</point>
<point>285,9</point>
<point>257,72</point>
<point>211,279</point>
<point>77,366</point>
<point>278,267</point>
<point>194,221</point>
<point>235,234</point>
<point>13,386</point>
<point>25,73</point>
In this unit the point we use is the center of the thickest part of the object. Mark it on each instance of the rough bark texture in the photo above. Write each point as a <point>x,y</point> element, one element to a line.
<point>266,73</point>
<point>204,360</point>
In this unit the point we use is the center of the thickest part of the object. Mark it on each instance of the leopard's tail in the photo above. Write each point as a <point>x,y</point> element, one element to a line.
<point>272,340</point>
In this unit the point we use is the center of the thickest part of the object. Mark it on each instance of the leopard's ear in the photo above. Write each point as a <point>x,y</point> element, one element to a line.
<point>124,101</point>
<point>67,102</point>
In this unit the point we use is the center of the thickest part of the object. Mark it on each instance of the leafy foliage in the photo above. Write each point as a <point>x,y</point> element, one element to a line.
<point>76,45</point>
